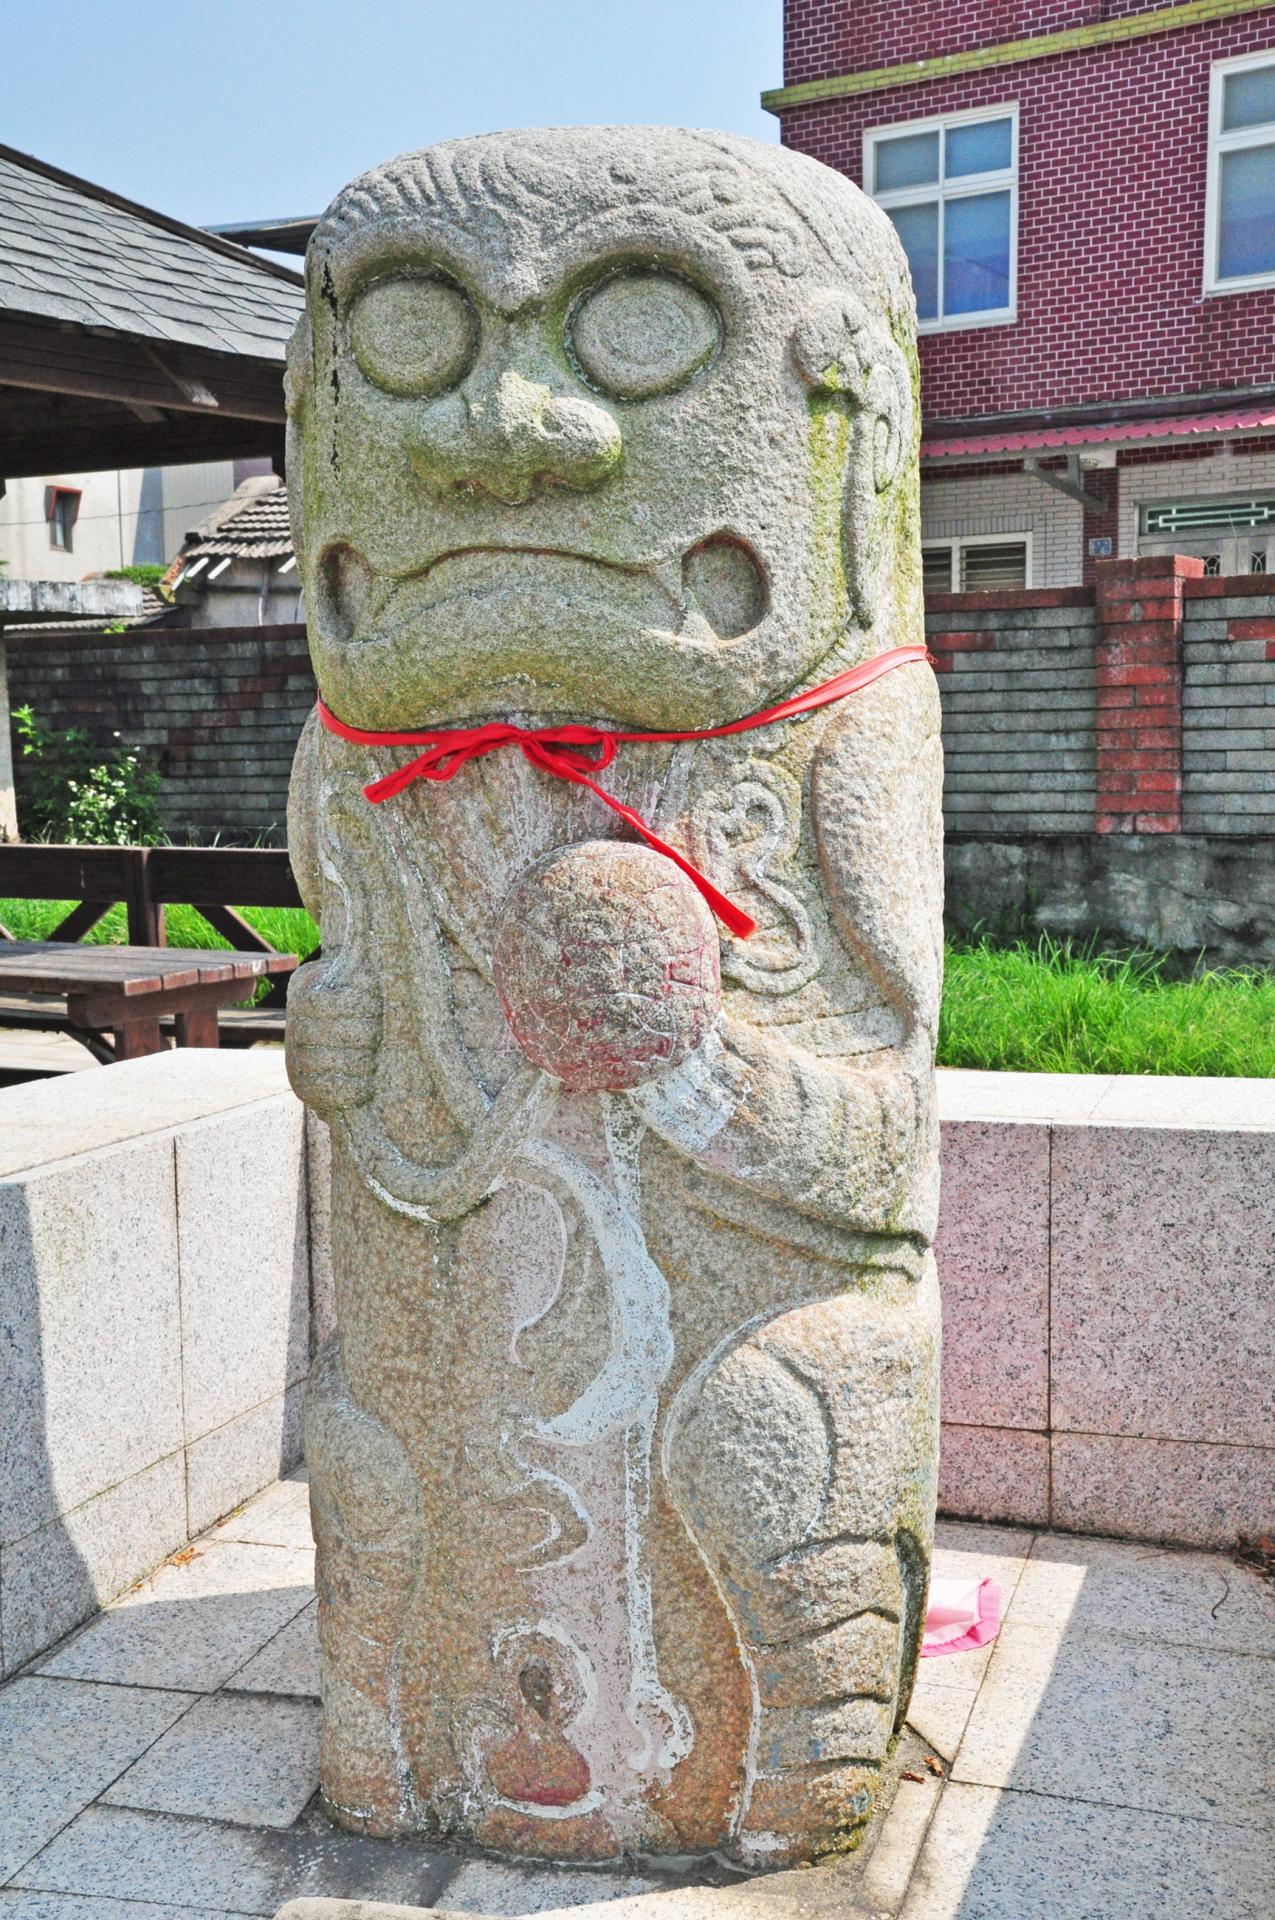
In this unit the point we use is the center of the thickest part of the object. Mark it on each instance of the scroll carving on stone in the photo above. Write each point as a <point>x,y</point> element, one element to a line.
<point>623,1451</point>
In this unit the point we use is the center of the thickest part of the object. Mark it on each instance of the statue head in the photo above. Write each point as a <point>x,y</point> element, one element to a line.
<point>608,423</point>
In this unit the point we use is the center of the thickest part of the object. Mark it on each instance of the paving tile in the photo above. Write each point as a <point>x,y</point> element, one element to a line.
<point>227,1466</point>
<point>92,1348</point>
<point>237,1757</point>
<point>963,1550</point>
<point>993,1258</point>
<point>63,1572</point>
<point>940,1713</point>
<point>889,1868</point>
<point>117,1853</point>
<point>232,1362</point>
<point>287,1664</point>
<point>1116,1586</point>
<point>89,1906</point>
<point>1179,1490</point>
<point>1123,1722</point>
<point>193,1625</point>
<point>490,1886</point>
<point>1020,1856</point>
<point>61,1743</point>
<point>279,1516</point>
<point>1155,1334</point>
<point>994,1473</point>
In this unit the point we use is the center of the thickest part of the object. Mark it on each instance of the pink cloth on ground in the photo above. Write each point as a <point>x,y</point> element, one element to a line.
<point>962,1614</point>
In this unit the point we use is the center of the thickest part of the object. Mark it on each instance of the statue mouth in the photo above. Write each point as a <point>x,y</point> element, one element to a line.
<point>587,634</point>
<point>715,591</point>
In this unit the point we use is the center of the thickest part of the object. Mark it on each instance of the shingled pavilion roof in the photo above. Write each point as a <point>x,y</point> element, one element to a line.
<point>128,338</point>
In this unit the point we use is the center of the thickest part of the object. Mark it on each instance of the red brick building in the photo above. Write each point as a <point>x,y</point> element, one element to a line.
<point>1086,192</point>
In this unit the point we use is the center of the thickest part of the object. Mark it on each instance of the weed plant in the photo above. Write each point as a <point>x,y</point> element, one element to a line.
<point>1059,1006</point>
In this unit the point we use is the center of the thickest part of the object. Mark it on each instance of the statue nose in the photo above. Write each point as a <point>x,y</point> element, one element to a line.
<point>514,435</point>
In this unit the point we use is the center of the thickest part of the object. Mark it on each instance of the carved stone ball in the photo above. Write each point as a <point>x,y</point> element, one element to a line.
<point>606,963</point>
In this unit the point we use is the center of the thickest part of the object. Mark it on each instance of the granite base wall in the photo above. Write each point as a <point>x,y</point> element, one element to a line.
<point>155,1298</point>
<point>1181,893</point>
<point>1107,1262</point>
<point>1106,1255</point>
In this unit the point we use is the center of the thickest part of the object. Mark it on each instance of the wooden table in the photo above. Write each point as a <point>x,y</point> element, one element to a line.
<point>129,990</point>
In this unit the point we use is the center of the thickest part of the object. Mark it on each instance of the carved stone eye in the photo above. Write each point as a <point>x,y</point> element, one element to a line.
<point>643,333</point>
<point>414,336</point>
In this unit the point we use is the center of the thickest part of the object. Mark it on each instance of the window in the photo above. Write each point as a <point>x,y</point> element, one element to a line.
<point>1239,236</point>
<point>951,188</point>
<point>1232,535</point>
<point>61,507</point>
<point>983,563</point>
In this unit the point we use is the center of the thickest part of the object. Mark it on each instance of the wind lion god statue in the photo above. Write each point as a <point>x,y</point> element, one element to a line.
<point>619,813</point>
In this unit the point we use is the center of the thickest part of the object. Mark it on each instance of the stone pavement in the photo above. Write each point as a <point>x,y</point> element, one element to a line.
<point>1110,1757</point>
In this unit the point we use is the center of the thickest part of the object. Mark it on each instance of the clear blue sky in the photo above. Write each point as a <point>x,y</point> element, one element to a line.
<point>242,109</point>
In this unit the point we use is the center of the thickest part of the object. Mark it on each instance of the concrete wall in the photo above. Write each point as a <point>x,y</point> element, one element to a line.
<point>155,1300</point>
<point>1186,893</point>
<point>1106,1254</point>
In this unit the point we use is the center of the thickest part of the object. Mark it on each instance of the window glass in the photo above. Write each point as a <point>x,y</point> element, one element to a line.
<point>1248,98</point>
<point>912,161</point>
<point>918,228</point>
<point>986,146</point>
<point>976,253</point>
<point>1246,213</point>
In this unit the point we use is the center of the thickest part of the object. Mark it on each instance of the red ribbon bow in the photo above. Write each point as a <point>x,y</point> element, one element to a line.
<point>576,753</point>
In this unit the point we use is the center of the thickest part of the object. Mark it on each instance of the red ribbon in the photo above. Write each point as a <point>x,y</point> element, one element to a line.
<point>576,753</point>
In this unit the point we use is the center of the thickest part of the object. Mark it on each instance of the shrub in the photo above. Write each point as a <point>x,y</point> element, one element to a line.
<point>144,575</point>
<point>71,789</point>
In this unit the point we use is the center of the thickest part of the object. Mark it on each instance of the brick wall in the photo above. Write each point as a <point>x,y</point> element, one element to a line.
<point>823,37</point>
<point>1018,678</point>
<point>1228,702</point>
<point>219,709</point>
<point>1112,170</point>
<point>1143,705</point>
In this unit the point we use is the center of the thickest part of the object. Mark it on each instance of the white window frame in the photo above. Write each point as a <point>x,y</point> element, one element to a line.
<point>967,186</point>
<point>1220,143</point>
<point>956,542</point>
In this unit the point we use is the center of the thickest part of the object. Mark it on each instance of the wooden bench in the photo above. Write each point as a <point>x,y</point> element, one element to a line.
<point>146,880</point>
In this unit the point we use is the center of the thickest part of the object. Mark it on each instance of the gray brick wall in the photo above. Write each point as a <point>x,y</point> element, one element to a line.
<point>1228,715</point>
<point>1018,691</point>
<point>219,710</point>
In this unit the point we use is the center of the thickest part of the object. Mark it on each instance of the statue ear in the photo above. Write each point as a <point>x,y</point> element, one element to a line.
<point>298,380</point>
<point>838,350</point>
<point>298,377</point>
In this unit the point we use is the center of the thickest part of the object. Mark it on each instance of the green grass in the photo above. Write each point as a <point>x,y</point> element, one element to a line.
<point>1053,1006</point>
<point>288,929</point>
<point>1042,1006</point>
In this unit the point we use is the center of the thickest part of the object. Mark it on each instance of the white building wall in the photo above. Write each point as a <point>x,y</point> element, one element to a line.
<point>104,535</point>
<point>141,514</point>
<point>953,505</point>
<point>1232,469</point>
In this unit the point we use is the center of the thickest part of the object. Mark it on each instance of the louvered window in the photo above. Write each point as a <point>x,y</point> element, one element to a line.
<point>976,565</point>
<point>994,568</point>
